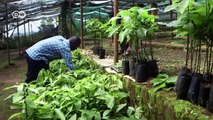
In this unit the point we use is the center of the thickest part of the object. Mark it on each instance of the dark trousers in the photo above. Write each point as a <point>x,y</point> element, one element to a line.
<point>34,67</point>
<point>123,46</point>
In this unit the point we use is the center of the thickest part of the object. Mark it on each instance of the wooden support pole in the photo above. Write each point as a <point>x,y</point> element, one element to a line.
<point>112,5</point>
<point>19,43</point>
<point>70,17</point>
<point>171,16</point>
<point>25,34</point>
<point>7,35</point>
<point>29,37</point>
<point>99,13</point>
<point>32,33</point>
<point>133,2</point>
<point>115,36</point>
<point>82,25</point>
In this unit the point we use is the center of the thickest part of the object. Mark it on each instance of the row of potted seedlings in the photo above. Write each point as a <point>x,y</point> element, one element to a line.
<point>194,21</point>
<point>135,27</point>
<point>93,26</point>
<point>100,51</point>
<point>140,68</point>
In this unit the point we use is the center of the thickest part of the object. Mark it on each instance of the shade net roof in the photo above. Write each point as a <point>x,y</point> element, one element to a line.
<point>11,11</point>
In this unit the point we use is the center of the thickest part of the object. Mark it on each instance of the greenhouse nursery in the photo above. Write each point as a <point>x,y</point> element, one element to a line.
<point>106,59</point>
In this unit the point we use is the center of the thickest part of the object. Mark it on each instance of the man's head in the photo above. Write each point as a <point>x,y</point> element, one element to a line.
<point>75,42</point>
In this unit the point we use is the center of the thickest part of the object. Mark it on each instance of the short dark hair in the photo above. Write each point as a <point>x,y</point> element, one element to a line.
<point>75,42</point>
<point>141,5</point>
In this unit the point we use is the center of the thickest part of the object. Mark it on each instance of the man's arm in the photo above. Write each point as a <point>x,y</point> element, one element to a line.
<point>68,59</point>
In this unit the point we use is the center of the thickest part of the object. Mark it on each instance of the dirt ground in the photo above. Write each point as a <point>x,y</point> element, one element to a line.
<point>170,56</point>
<point>10,75</point>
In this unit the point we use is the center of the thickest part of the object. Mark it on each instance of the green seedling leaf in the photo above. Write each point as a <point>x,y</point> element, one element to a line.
<point>105,114</point>
<point>74,117</point>
<point>174,23</point>
<point>168,89</point>
<point>121,95</point>
<point>130,111</point>
<point>110,101</point>
<point>92,114</point>
<point>10,96</point>
<point>30,103</point>
<point>163,76</point>
<point>21,87</point>
<point>171,80</point>
<point>11,87</point>
<point>47,114</point>
<point>171,7</point>
<point>17,97</point>
<point>120,107</point>
<point>60,114</point>
<point>118,82</point>
<point>34,90</point>
<point>113,31</point>
<point>157,81</point>
<point>184,4</point>
<point>122,35</point>
<point>16,106</point>
<point>138,112</point>
<point>100,92</point>
<point>159,87</point>
<point>78,105</point>
<point>16,115</point>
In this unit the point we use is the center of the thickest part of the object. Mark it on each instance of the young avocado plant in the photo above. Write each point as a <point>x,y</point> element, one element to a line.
<point>195,20</point>
<point>136,26</point>
<point>94,26</point>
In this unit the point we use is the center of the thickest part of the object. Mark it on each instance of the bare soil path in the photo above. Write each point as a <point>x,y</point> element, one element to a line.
<point>10,75</point>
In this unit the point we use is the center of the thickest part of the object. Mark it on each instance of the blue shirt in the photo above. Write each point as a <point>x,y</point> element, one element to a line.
<point>49,49</point>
